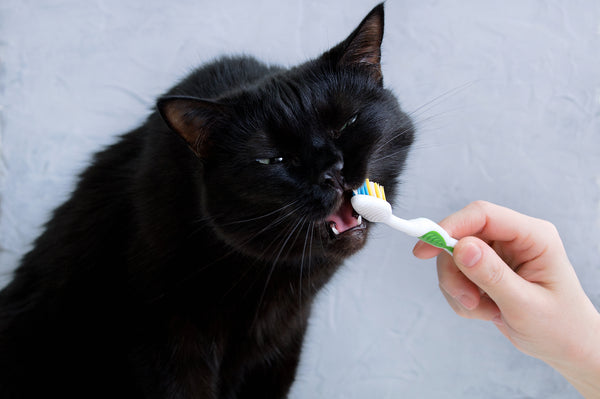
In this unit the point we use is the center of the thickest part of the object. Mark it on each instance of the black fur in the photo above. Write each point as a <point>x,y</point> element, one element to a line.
<point>187,268</point>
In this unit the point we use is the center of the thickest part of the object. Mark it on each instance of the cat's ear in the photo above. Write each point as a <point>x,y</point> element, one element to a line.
<point>362,49</point>
<point>191,118</point>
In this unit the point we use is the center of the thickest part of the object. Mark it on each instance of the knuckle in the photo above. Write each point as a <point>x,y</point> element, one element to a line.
<point>480,205</point>
<point>545,232</point>
<point>549,228</point>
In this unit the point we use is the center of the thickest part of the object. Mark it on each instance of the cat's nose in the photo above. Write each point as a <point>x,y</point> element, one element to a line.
<point>333,176</point>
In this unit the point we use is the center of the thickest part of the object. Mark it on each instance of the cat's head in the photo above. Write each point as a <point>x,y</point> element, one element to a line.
<point>280,157</point>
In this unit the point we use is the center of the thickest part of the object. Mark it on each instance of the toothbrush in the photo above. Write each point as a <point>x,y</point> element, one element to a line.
<point>369,202</point>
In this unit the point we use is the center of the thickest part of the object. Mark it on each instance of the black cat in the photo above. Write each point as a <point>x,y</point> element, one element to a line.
<point>187,268</point>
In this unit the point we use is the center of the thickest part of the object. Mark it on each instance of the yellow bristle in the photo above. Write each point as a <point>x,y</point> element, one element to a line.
<point>370,188</point>
<point>380,192</point>
<point>375,189</point>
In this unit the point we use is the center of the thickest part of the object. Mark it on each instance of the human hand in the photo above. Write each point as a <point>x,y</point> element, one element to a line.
<point>512,269</point>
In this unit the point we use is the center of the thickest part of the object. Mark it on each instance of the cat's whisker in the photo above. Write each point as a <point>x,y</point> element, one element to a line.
<point>207,218</point>
<point>420,110</point>
<point>212,218</point>
<point>421,123</point>
<point>394,137</point>
<point>267,248</point>
<point>271,225</point>
<point>285,239</point>
<point>262,216</point>
<point>308,230</point>
<point>273,242</point>
<point>249,239</point>
<point>382,146</point>
<point>448,93</point>
<point>308,243</point>
<point>298,233</point>
<point>272,268</point>
<point>375,160</point>
<point>280,219</point>
<point>312,234</point>
<point>203,223</point>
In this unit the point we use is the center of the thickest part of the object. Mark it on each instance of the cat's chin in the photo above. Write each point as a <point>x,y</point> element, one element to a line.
<point>334,233</point>
<point>347,243</point>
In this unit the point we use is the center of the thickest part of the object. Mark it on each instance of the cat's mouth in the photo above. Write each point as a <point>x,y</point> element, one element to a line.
<point>344,219</point>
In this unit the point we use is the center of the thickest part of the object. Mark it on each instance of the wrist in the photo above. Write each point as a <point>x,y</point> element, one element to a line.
<point>581,365</point>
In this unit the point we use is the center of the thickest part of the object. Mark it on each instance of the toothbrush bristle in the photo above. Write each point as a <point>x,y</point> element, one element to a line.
<point>371,188</point>
<point>378,191</point>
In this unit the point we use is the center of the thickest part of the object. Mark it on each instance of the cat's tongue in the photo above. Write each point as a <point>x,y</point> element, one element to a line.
<point>343,219</point>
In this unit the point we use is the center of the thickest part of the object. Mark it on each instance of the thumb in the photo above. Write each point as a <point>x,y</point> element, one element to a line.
<point>482,265</point>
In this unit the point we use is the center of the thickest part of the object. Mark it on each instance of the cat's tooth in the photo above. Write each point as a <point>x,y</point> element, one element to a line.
<point>359,220</point>
<point>335,231</point>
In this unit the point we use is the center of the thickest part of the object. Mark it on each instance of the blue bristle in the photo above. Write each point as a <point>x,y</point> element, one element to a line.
<point>363,190</point>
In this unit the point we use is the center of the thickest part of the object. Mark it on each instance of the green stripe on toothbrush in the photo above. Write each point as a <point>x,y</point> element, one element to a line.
<point>434,238</point>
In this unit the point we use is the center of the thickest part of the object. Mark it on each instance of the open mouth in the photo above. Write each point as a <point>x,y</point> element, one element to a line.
<point>344,219</point>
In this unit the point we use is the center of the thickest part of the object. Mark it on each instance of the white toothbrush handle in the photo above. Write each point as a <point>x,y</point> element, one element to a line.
<point>405,226</point>
<point>420,228</point>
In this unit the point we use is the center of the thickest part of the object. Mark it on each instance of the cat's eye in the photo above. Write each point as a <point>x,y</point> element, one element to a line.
<point>349,122</point>
<point>269,161</point>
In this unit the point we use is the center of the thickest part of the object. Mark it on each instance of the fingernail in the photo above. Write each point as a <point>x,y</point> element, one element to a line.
<point>469,255</point>
<point>467,301</point>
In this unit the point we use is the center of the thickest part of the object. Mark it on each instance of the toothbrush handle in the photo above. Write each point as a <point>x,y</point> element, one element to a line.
<point>402,225</point>
<point>426,230</point>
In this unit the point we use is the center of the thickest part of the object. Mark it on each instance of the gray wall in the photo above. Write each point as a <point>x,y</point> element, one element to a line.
<point>506,97</point>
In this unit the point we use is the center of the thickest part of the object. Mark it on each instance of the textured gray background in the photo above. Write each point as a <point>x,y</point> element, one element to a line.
<point>506,97</point>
